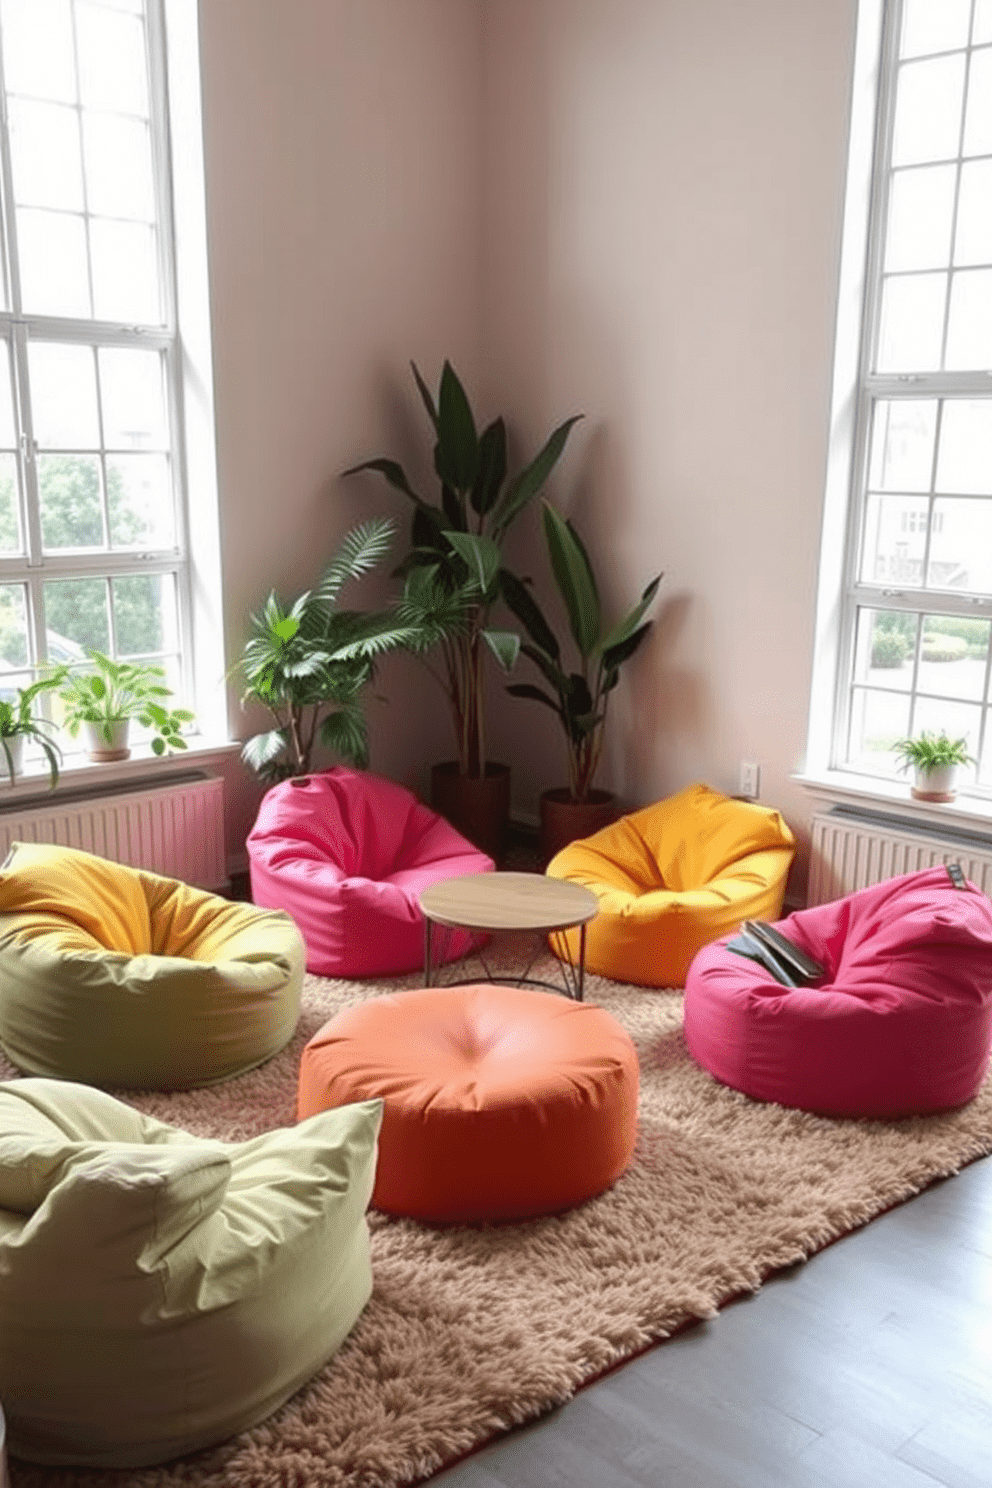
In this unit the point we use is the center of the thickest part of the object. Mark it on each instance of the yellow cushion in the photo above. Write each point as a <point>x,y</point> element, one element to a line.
<point>160,1292</point>
<point>124,978</point>
<point>673,877</point>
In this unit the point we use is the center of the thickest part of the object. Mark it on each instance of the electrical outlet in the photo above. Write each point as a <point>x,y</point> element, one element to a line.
<point>750,779</point>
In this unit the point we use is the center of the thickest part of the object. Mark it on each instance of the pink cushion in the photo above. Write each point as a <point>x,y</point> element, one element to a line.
<point>347,855</point>
<point>901,1023</point>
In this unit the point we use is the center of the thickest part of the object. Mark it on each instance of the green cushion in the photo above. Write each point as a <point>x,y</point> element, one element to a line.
<point>161,1292</point>
<point>124,978</point>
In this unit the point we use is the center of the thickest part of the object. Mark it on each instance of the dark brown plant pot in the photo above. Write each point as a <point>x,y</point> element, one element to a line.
<point>564,820</point>
<point>479,808</point>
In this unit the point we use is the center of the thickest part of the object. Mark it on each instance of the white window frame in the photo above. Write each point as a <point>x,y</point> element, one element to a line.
<point>855,389</point>
<point>184,338</point>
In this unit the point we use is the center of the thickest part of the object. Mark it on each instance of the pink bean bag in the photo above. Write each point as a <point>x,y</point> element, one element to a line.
<point>900,1025</point>
<point>347,855</point>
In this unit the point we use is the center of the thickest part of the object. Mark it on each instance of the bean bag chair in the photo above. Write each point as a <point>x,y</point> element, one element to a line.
<point>118,977</point>
<point>901,1023</point>
<point>500,1102</point>
<point>672,877</point>
<point>347,854</point>
<point>160,1292</point>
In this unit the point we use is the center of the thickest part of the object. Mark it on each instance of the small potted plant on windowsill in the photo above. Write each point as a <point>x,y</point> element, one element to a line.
<point>580,698</point>
<point>19,722</point>
<point>103,701</point>
<point>935,759</point>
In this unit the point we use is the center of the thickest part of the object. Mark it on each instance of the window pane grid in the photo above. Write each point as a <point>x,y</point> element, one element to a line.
<point>86,236</point>
<point>92,551</point>
<point>919,600</point>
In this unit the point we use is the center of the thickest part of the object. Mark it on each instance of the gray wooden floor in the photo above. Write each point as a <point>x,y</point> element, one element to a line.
<point>870,1366</point>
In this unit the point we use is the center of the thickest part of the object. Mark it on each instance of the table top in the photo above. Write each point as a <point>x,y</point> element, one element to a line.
<point>508,901</point>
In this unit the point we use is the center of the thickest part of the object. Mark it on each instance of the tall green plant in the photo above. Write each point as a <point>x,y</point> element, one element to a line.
<point>309,663</point>
<point>579,697</point>
<point>454,574</point>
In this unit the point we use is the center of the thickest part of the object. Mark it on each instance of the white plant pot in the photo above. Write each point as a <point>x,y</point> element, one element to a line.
<point>100,747</point>
<point>15,744</point>
<point>936,784</point>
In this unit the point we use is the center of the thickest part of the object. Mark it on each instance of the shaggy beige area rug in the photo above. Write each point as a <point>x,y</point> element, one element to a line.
<point>473,1330</point>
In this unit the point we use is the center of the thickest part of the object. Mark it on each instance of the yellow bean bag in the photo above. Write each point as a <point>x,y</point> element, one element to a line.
<point>158,1291</point>
<point>118,977</point>
<point>673,877</point>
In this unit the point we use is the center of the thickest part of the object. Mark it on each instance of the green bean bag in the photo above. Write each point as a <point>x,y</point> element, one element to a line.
<point>122,978</point>
<point>160,1292</point>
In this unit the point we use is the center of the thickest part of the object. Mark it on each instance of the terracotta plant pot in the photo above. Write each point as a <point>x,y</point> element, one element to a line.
<point>479,808</point>
<point>100,748</point>
<point>564,820</point>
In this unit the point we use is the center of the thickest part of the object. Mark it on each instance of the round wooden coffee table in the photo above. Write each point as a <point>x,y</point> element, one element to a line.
<point>495,902</point>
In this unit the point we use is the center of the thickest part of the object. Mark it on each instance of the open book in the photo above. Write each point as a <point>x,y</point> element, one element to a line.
<point>768,946</point>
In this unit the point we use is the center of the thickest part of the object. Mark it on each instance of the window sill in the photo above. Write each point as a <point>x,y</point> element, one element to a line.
<point>837,787</point>
<point>81,775</point>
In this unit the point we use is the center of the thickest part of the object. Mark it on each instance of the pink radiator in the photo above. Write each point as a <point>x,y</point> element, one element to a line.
<point>174,827</point>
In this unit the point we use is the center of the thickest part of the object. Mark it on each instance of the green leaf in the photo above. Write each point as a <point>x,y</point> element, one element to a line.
<point>262,749</point>
<point>492,467</point>
<point>458,444</point>
<point>392,471</point>
<point>629,623</point>
<point>528,690</point>
<point>358,552</point>
<point>525,486</point>
<point>480,554</point>
<point>285,630</point>
<point>551,671</point>
<point>574,577</point>
<point>345,732</point>
<point>429,529</point>
<point>518,598</point>
<point>426,395</point>
<point>615,656</point>
<point>505,646</point>
<point>454,509</point>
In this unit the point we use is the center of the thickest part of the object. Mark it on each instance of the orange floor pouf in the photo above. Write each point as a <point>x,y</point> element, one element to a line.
<point>500,1102</point>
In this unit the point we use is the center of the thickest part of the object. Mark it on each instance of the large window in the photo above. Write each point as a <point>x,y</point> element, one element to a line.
<point>92,535</point>
<point>915,639</point>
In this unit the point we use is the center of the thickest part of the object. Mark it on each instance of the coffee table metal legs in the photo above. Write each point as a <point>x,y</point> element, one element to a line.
<point>573,973</point>
<point>428,948</point>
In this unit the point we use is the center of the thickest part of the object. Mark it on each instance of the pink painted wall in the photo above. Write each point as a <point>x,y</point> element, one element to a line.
<point>628,207</point>
<point>342,145</point>
<point>662,222</point>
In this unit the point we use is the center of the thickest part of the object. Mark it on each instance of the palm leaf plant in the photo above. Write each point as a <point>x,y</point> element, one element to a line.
<point>579,697</point>
<point>453,572</point>
<point>308,663</point>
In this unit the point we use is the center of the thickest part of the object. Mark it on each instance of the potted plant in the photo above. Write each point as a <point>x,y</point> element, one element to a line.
<point>935,758</point>
<point>19,721</point>
<point>309,663</point>
<point>580,697</point>
<point>454,578</point>
<point>103,700</point>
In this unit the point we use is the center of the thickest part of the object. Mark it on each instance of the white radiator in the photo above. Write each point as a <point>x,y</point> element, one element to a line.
<point>174,827</point>
<point>851,849</point>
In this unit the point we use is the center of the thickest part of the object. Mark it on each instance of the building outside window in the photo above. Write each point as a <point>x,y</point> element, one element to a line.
<point>93,532</point>
<point>912,647</point>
